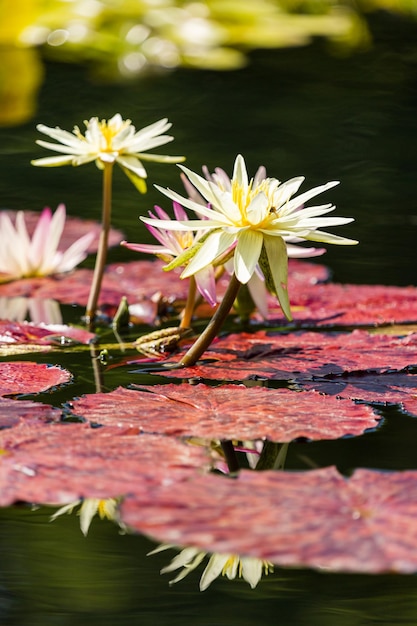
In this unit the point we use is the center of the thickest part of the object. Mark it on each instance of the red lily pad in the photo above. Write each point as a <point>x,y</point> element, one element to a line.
<point>13,412</point>
<point>300,355</point>
<point>227,412</point>
<point>366,523</point>
<point>60,463</point>
<point>388,387</point>
<point>349,305</point>
<point>139,281</point>
<point>22,377</point>
<point>410,404</point>
<point>42,334</point>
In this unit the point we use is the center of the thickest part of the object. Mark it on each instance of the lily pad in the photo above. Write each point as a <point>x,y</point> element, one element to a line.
<point>60,463</point>
<point>349,305</point>
<point>387,388</point>
<point>227,412</point>
<point>139,281</point>
<point>300,355</point>
<point>42,334</point>
<point>23,377</point>
<point>319,519</point>
<point>13,412</point>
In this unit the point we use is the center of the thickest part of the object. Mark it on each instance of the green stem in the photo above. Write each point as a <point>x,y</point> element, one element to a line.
<point>214,325</point>
<point>91,309</point>
<point>189,305</point>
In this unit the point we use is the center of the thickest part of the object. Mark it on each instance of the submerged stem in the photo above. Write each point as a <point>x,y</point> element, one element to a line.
<point>214,325</point>
<point>91,309</point>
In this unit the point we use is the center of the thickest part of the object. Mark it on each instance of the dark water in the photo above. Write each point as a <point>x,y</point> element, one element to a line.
<point>297,112</point>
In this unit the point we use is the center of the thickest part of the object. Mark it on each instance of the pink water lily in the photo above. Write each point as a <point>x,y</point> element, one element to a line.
<point>22,256</point>
<point>173,244</point>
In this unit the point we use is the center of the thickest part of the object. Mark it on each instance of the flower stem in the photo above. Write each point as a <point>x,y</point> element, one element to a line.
<point>189,305</point>
<point>91,309</point>
<point>194,353</point>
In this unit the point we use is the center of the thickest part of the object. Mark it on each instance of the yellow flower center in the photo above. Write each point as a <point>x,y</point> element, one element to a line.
<point>242,197</point>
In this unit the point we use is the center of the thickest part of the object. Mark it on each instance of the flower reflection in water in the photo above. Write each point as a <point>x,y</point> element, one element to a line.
<point>229,565</point>
<point>36,310</point>
<point>107,508</point>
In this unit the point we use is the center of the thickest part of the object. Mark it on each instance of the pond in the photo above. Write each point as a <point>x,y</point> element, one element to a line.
<point>298,112</point>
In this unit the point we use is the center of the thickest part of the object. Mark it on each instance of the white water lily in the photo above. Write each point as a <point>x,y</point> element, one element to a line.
<point>108,141</point>
<point>229,565</point>
<point>254,219</point>
<point>22,256</point>
<point>106,508</point>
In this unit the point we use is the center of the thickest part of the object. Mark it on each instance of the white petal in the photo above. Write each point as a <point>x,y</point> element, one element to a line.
<point>206,284</point>
<point>190,204</point>
<point>240,173</point>
<point>258,293</point>
<point>76,253</point>
<point>213,570</point>
<point>55,161</point>
<point>88,509</point>
<point>205,187</point>
<point>321,236</point>
<point>257,209</point>
<point>247,254</point>
<point>286,190</point>
<point>295,203</point>
<point>63,136</point>
<point>251,570</point>
<point>132,163</point>
<point>216,243</point>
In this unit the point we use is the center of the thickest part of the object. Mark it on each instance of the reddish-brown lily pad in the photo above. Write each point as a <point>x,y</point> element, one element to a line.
<point>349,305</point>
<point>227,412</point>
<point>366,523</point>
<point>60,463</point>
<point>410,404</point>
<point>388,387</point>
<point>139,281</point>
<point>12,412</point>
<point>300,355</point>
<point>22,377</point>
<point>42,334</point>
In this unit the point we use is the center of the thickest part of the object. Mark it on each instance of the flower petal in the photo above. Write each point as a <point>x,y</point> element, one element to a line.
<point>247,254</point>
<point>216,243</point>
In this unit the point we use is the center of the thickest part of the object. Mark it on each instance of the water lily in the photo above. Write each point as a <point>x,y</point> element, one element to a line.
<point>106,508</point>
<point>22,256</point>
<point>174,243</point>
<point>255,218</point>
<point>256,284</point>
<point>250,220</point>
<point>229,565</point>
<point>108,141</point>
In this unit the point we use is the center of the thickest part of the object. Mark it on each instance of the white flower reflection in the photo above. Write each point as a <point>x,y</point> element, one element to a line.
<point>229,565</point>
<point>107,508</point>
